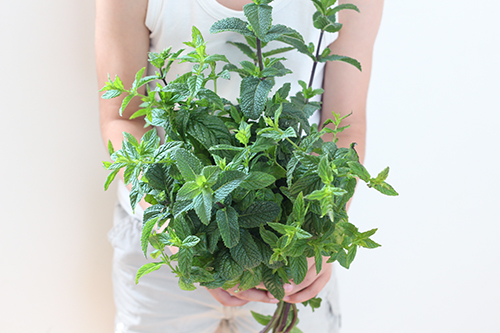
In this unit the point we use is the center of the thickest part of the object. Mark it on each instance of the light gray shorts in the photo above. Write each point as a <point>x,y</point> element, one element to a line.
<point>158,305</point>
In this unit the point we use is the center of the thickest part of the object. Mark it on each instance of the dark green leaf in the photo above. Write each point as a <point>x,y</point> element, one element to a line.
<point>260,18</point>
<point>253,94</point>
<point>231,24</point>
<point>273,283</point>
<point>257,180</point>
<point>335,57</point>
<point>227,220</point>
<point>259,213</point>
<point>299,267</point>
<point>188,164</point>
<point>246,253</point>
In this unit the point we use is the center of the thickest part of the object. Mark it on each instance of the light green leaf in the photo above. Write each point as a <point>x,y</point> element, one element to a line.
<point>147,268</point>
<point>190,241</point>
<point>325,170</point>
<point>146,233</point>
<point>261,319</point>
<point>188,191</point>
<point>359,170</point>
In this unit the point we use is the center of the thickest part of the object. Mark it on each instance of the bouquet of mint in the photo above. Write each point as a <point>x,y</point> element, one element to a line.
<point>246,196</point>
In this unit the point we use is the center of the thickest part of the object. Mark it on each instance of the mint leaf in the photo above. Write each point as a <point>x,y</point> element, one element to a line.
<point>147,268</point>
<point>253,94</point>
<point>231,24</point>
<point>188,164</point>
<point>273,283</point>
<point>246,253</point>
<point>259,17</point>
<point>227,220</point>
<point>257,180</point>
<point>299,268</point>
<point>146,232</point>
<point>259,213</point>
<point>261,319</point>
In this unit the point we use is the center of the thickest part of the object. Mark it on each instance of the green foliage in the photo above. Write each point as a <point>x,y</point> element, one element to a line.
<point>245,200</point>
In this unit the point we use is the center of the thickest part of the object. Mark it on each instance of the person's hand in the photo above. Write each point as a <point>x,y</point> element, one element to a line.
<point>294,293</point>
<point>225,298</point>
<point>311,286</point>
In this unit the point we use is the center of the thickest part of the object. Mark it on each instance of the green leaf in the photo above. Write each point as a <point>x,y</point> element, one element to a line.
<point>125,102</point>
<point>185,259</point>
<point>314,302</point>
<point>261,319</point>
<point>203,207</point>
<point>184,285</point>
<point>260,18</point>
<point>335,57</point>
<point>259,213</point>
<point>110,179</point>
<point>325,170</point>
<point>359,170</point>
<point>147,268</point>
<point>299,267</point>
<point>299,209</point>
<point>245,49</point>
<point>342,7</point>
<point>231,24</point>
<point>250,278</point>
<point>146,233</point>
<point>273,283</point>
<point>190,241</point>
<point>257,180</point>
<point>227,267</point>
<point>188,191</point>
<point>111,94</point>
<point>268,236</point>
<point>253,94</point>
<point>227,220</point>
<point>246,253</point>
<point>277,51</point>
<point>386,189</point>
<point>189,165</point>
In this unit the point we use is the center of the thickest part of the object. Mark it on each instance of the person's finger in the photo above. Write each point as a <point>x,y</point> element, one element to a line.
<point>226,299</point>
<point>254,295</point>
<point>309,292</point>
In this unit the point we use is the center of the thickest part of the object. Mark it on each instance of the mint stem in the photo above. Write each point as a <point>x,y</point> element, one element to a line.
<point>259,54</point>
<point>311,79</point>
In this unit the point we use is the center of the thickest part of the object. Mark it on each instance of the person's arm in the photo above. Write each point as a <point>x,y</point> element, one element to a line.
<point>122,45</point>
<point>346,90</point>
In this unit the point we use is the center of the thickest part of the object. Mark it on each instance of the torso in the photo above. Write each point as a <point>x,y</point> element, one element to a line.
<point>234,4</point>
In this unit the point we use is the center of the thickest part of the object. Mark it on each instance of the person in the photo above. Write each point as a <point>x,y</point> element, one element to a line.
<point>125,31</point>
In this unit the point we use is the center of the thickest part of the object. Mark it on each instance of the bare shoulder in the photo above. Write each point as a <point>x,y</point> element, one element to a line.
<point>363,25</point>
<point>121,34</point>
<point>121,46</point>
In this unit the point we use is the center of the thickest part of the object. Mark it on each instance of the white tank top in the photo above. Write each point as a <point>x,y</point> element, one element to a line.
<point>171,21</point>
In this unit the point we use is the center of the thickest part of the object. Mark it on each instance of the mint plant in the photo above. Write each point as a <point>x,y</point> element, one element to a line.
<point>247,197</point>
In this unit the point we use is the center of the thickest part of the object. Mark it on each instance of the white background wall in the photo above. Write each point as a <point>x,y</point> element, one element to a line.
<point>433,118</point>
